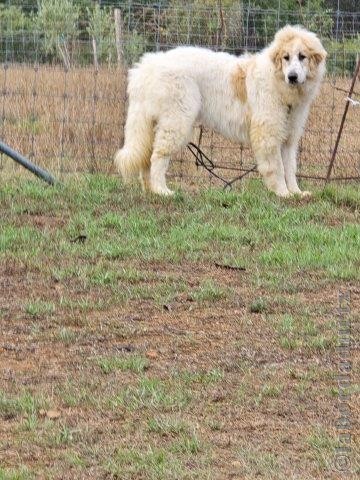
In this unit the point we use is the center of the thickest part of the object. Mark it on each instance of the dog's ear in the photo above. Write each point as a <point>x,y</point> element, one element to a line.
<point>318,56</point>
<point>276,54</point>
<point>316,51</point>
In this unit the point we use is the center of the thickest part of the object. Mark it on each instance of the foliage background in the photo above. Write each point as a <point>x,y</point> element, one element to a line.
<point>65,31</point>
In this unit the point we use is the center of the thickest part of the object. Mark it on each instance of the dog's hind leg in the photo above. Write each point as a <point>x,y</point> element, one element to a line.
<point>172,133</point>
<point>159,166</point>
<point>134,157</point>
<point>144,176</point>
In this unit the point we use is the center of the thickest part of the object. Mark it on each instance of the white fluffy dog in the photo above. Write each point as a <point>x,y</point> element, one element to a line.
<point>262,100</point>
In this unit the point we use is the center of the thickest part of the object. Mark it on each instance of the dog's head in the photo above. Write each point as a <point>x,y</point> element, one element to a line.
<point>297,54</point>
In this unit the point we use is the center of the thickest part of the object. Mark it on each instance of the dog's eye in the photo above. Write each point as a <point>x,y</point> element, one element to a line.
<point>301,56</point>
<point>287,57</point>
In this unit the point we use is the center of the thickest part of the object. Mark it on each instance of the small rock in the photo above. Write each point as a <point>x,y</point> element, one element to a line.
<point>217,397</point>
<point>53,414</point>
<point>124,348</point>
<point>151,354</point>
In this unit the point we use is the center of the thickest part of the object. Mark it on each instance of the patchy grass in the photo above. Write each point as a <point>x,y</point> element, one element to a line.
<point>152,393</point>
<point>167,425</point>
<point>39,308</point>
<point>21,473</point>
<point>66,335</point>
<point>302,331</point>
<point>133,363</point>
<point>322,447</point>
<point>258,305</point>
<point>208,291</point>
<point>119,312</point>
<point>293,236</point>
<point>256,463</point>
<point>156,464</point>
<point>25,404</point>
<point>269,391</point>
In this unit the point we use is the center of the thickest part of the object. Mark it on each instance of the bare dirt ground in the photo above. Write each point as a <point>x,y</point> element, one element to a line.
<point>227,375</point>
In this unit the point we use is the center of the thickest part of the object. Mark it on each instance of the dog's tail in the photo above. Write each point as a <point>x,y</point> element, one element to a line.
<point>139,137</point>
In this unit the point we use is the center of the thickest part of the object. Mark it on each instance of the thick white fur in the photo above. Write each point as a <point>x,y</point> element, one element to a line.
<point>247,99</point>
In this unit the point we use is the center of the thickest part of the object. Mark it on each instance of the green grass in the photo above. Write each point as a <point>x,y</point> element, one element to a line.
<point>73,395</point>
<point>268,391</point>
<point>132,363</point>
<point>187,444</point>
<point>162,463</point>
<point>302,331</point>
<point>39,308</point>
<point>321,448</point>
<point>167,426</point>
<point>66,335</point>
<point>21,473</point>
<point>152,393</point>
<point>257,463</point>
<point>151,464</point>
<point>255,230</point>
<point>258,305</point>
<point>209,291</point>
<point>25,404</point>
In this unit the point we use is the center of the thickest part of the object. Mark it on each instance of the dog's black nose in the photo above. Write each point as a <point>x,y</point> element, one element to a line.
<point>292,77</point>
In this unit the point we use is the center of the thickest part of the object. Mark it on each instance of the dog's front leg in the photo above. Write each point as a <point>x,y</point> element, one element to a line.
<point>271,168</point>
<point>289,149</point>
<point>289,154</point>
<point>267,151</point>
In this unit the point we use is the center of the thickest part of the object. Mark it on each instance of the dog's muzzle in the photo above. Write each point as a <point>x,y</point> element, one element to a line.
<point>293,78</point>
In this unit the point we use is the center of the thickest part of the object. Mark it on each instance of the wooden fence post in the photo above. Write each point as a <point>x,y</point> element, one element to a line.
<point>96,61</point>
<point>119,36</point>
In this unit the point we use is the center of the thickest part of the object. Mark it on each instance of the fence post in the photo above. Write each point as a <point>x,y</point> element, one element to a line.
<point>94,45</point>
<point>221,30</point>
<point>332,160</point>
<point>119,36</point>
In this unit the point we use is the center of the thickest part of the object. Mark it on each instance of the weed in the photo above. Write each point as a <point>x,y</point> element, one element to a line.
<point>209,291</point>
<point>153,393</point>
<point>38,308</point>
<point>258,305</point>
<point>131,363</point>
<point>165,425</point>
<point>25,404</point>
<point>21,473</point>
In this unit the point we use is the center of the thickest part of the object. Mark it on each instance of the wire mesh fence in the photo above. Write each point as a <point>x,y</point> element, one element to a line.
<point>63,78</point>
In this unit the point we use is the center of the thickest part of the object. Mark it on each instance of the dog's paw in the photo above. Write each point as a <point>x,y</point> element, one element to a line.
<point>165,192</point>
<point>306,194</point>
<point>283,194</point>
<point>301,194</point>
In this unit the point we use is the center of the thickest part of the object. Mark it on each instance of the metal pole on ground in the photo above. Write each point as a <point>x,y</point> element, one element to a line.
<point>39,172</point>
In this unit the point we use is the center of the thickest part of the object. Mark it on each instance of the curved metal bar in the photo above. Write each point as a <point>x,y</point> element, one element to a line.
<point>39,172</point>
